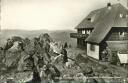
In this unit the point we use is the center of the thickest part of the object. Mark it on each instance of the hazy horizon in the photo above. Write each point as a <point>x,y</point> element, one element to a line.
<point>38,30</point>
<point>47,14</point>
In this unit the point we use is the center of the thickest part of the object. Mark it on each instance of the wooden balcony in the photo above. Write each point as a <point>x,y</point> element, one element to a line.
<point>78,35</point>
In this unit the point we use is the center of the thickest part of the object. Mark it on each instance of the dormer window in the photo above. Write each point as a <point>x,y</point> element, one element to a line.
<point>89,19</point>
<point>121,33</point>
<point>88,31</point>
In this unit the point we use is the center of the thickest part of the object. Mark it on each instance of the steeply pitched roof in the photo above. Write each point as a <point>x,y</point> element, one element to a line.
<point>97,16</point>
<point>110,18</point>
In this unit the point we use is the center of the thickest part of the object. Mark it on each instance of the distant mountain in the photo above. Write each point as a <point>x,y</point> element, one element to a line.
<point>57,35</point>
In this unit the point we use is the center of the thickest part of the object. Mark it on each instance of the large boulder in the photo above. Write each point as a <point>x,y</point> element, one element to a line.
<point>13,43</point>
<point>8,44</point>
<point>21,63</point>
<point>45,37</point>
<point>16,38</point>
<point>15,47</point>
<point>37,48</point>
<point>11,58</point>
<point>29,49</point>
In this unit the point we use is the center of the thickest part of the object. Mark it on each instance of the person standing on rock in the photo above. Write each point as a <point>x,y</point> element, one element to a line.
<point>66,45</point>
<point>36,77</point>
<point>65,57</point>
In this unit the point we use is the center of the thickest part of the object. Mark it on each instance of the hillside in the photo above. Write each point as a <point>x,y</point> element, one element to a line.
<point>59,35</point>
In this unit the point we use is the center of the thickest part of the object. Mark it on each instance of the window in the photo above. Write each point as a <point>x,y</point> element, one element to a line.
<point>89,19</point>
<point>126,15</point>
<point>92,47</point>
<point>79,31</point>
<point>88,31</point>
<point>83,31</point>
<point>121,15</point>
<point>121,33</point>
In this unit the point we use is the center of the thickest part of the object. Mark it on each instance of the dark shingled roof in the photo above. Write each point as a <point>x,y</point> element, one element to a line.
<point>97,16</point>
<point>88,24</point>
<point>107,20</point>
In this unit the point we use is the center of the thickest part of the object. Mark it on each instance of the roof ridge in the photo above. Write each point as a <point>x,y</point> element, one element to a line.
<point>116,4</point>
<point>99,15</point>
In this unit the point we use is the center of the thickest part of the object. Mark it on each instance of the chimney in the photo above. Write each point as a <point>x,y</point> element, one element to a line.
<point>109,6</point>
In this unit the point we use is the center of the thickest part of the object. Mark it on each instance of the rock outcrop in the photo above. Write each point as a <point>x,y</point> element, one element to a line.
<point>24,58</point>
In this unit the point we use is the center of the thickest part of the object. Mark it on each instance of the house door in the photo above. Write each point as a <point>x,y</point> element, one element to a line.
<point>81,43</point>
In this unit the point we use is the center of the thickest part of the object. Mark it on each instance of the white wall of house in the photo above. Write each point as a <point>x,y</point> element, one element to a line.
<point>93,50</point>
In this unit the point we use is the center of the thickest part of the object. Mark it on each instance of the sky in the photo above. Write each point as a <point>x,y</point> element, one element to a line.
<point>47,14</point>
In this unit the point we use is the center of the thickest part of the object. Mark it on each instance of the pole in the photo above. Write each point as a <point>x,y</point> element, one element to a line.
<point>0,15</point>
<point>127,3</point>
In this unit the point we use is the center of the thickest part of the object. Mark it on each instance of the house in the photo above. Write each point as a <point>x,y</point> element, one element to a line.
<point>87,25</point>
<point>108,28</point>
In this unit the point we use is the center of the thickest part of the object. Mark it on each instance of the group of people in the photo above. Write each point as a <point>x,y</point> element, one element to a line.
<point>106,55</point>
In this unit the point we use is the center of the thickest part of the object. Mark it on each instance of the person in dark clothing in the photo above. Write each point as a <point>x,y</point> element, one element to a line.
<point>65,57</point>
<point>36,77</point>
<point>65,45</point>
<point>57,74</point>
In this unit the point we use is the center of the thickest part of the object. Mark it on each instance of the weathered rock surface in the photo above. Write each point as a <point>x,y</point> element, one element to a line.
<point>21,56</point>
